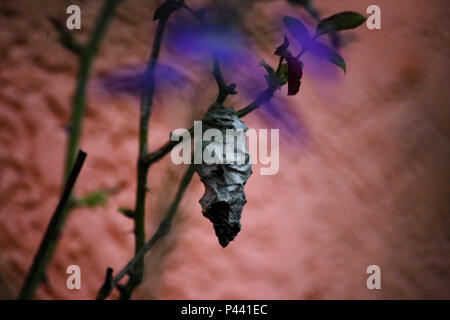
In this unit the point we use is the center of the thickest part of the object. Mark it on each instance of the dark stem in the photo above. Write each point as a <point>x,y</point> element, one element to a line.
<point>106,287</point>
<point>86,58</point>
<point>50,239</point>
<point>142,169</point>
<point>262,98</point>
<point>66,38</point>
<point>86,55</point>
<point>224,88</point>
<point>163,230</point>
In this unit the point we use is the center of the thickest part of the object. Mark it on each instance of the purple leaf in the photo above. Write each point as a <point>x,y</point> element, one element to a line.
<point>298,30</point>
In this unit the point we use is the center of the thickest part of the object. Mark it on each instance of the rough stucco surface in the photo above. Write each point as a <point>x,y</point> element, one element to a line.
<point>369,184</point>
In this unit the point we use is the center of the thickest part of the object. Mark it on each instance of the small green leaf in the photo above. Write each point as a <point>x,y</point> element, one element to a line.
<point>93,199</point>
<point>298,29</point>
<point>340,21</point>
<point>326,52</point>
<point>283,73</point>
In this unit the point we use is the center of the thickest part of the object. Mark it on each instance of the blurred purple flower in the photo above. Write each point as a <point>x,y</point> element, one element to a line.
<point>131,79</point>
<point>193,40</point>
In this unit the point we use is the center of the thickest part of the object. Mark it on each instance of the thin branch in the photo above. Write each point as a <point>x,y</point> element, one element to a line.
<point>66,38</point>
<point>224,88</point>
<point>43,255</point>
<point>161,152</point>
<point>86,59</point>
<point>107,284</point>
<point>86,55</point>
<point>142,168</point>
<point>126,212</point>
<point>163,230</point>
<point>262,98</point>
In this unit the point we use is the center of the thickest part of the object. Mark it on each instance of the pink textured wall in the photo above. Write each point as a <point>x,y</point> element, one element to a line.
<point>368,185</point>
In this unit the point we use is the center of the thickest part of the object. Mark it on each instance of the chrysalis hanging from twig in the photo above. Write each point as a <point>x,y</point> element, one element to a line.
<point>224,179</point>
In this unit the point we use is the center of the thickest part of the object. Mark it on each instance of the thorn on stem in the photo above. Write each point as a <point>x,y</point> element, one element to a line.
<point>66,38</point>
<point>224,88</point>
<point>127,212</point>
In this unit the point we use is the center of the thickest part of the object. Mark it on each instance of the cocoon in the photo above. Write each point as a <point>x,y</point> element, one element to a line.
<point>224,196</point>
